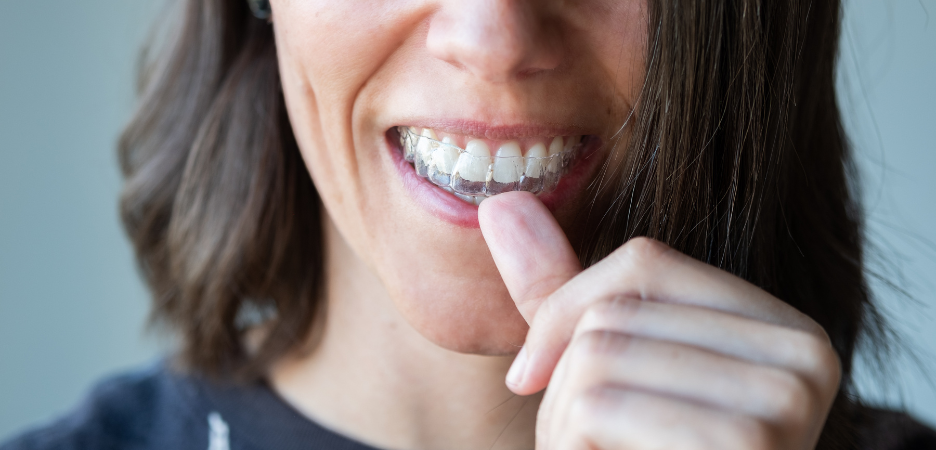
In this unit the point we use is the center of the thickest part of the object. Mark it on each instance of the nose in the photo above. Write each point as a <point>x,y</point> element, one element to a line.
<point>496,40</point>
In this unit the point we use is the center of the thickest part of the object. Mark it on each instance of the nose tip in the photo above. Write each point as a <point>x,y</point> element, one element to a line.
<point>495,40</point>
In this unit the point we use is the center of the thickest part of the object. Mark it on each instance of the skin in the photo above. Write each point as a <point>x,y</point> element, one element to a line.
<point>425,314</point>
<point>652,349</point>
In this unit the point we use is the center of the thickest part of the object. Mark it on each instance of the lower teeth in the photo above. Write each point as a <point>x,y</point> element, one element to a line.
<point>473,177</point>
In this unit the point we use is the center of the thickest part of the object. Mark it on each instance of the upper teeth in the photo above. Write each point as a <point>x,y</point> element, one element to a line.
<point>474,171</point>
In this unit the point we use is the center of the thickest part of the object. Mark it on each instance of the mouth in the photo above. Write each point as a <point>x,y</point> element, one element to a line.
<point>473,169</point>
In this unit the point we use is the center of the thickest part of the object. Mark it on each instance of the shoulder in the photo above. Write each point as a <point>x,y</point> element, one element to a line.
<point>161,408</point>
<point>127,411</point>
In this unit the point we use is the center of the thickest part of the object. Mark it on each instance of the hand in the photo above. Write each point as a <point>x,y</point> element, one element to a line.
<point>652,349</point>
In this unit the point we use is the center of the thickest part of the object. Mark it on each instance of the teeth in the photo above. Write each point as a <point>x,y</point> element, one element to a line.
<point>472,169</point>
<point>571,141</point>
<point>446,156</point>
<point>472,173</point>
<point>423,153</point>
<point>473,164</point>
<point>534,162</point>
<point>508,165</point>
<point>555,146</point>
<point>470,199</point>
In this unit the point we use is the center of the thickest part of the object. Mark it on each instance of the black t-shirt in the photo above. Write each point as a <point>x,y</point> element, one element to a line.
<point>159,408</point>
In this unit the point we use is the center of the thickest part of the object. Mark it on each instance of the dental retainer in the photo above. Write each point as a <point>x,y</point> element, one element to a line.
<point>475,172</point>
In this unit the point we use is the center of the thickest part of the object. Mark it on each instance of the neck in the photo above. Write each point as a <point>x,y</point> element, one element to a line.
<point>372,377</point>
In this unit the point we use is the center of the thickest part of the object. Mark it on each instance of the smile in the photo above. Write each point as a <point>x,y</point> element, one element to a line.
<point>469,169</point>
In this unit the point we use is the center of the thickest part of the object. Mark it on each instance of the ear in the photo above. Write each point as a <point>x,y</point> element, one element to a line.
<point>261,9</point>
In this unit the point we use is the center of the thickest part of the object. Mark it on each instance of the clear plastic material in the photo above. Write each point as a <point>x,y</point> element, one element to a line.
<point>479,173</point>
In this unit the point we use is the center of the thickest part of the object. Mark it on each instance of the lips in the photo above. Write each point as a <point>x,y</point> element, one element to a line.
<point>468,168</point>
<point>461,210</point>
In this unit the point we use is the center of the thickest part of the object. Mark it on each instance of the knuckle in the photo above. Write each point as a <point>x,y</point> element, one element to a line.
<point>814,348</point>
<point>589,354</point>
<point>819,359</point>
<point>599,343</point>
<point>642,250</point>
<point>595,316</point>
<point>613,312</point>
<point>819,333</point>
<point>790,396</point>
<point>810,346</point>
<point>623,309</point>
<point>640,260</point>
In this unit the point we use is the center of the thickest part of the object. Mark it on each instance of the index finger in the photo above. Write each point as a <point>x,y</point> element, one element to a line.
<point>642,269</point>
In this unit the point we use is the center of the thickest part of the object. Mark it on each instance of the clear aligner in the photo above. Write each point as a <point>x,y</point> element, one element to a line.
<point>480,174</point>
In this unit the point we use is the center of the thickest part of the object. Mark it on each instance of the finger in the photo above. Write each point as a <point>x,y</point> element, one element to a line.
<point>682,372</point>
<point>531,251</point>
<point>648,270</point>
<point>716,331</point>
<point>613,418</point>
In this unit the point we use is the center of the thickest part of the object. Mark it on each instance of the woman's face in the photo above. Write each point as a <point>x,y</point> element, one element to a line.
<point>507,73</point>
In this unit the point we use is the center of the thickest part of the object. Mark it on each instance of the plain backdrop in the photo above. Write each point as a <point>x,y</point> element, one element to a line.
<point>72,307</point>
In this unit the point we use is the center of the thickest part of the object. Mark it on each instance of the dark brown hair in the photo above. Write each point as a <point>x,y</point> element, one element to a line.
<point>217,200</point>
<point>738,158</point>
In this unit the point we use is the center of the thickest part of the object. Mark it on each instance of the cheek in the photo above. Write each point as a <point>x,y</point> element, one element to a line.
<point>614,35</point>
<point>324,61</point>
<point>440,277</point>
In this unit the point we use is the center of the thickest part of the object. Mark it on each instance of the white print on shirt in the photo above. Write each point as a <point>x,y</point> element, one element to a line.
<point>217,432</point>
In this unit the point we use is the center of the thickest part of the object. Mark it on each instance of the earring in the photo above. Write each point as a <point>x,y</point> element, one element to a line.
<point>260,8</point>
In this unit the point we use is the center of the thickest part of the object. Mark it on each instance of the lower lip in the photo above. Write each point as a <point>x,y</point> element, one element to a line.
<point>449,208</point>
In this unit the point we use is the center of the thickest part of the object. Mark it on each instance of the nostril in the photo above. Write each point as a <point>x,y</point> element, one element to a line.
<point>527,73</point>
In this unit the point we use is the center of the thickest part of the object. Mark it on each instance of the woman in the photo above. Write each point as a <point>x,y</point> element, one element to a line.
<point>668,253</point>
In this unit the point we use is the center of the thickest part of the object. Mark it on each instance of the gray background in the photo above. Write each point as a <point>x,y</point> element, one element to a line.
<point>72,307</point>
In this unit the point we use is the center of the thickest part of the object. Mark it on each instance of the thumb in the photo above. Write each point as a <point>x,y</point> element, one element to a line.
<point>530,250</point>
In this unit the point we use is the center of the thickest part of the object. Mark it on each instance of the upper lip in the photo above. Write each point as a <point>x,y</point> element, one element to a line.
<point>506,131</point>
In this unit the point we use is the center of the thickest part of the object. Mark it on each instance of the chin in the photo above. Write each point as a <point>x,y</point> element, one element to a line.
<point>463,313</point>
<point>429,252</point>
